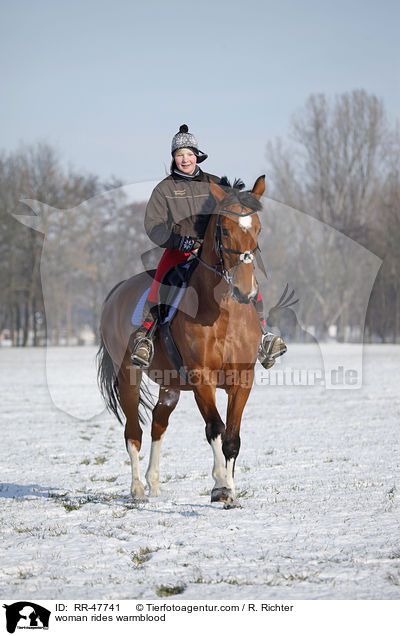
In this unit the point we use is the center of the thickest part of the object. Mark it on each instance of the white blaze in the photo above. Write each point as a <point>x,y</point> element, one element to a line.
<point>245,222</point>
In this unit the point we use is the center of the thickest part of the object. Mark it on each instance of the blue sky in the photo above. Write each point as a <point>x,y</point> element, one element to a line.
<point>109,82</point>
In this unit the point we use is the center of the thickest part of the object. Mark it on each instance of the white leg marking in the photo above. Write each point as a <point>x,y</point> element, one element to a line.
<point>219,470</point>
<point>137,488</point>
<point>152,474</point>
<point>229,475</point>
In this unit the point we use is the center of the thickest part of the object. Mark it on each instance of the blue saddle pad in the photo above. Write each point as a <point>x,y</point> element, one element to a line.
<point>137,315</point>
<point>176,280</point>
<point>137,318</point>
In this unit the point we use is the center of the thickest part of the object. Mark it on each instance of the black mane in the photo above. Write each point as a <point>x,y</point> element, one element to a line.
<point>234,194</point>
<point>238,184</point>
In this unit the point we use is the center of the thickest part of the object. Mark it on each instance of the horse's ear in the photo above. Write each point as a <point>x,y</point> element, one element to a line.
<point>217,191</point>
<point>259,187</point>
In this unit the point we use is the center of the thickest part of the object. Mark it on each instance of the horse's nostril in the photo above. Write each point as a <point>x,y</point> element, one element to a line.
<point>237,295</point>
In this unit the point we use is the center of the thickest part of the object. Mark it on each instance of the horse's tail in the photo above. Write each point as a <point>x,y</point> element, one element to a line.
<point>108,381</point>
<point>108,384</point>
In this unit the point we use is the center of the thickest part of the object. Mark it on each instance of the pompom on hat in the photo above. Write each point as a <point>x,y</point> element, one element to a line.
<point>185,139</point>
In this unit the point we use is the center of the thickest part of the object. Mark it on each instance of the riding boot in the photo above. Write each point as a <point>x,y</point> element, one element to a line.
<point>142,347</point>
<point>271,346</point>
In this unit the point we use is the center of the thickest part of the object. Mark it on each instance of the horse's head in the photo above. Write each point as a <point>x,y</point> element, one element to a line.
<point>236,229</point>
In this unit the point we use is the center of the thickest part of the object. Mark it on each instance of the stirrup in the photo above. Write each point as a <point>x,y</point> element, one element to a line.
<point>143,349</point>
<point>271,347</point>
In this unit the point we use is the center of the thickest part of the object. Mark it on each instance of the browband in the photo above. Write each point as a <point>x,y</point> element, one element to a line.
<point>238,213</point>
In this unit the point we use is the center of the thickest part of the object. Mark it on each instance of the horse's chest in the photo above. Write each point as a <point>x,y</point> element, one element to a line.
<point>232,338</point>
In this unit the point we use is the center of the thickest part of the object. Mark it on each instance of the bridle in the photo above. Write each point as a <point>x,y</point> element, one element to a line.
<point>243,257</point>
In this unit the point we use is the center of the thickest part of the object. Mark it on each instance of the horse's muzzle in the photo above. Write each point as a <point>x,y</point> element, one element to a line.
<point>237,295</point>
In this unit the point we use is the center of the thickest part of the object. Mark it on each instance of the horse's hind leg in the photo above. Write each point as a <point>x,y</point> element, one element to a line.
<point>167,401</point>
<point>129,391</point>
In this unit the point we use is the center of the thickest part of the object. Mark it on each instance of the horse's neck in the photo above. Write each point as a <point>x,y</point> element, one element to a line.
<point>208,253</point>
<point>207,278</point>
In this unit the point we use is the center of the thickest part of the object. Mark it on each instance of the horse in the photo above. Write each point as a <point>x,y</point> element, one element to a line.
<point>218,346</point>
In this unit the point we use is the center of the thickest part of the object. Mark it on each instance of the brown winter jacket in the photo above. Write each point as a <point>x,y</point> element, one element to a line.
<point>179,207</point>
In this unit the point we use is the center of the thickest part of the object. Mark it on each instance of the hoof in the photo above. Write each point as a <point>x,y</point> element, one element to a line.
<point>137,492</point>
<point>222,494</point>
<point>228,505</point>
<point>154,492</point>
<point>139,498</point>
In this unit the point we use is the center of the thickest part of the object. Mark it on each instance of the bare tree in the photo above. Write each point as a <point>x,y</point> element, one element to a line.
<point>94,239</point>
<point>384,311</point>
<point>331,169</point>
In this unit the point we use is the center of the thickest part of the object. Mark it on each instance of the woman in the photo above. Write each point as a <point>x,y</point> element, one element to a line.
<point>176,219</point>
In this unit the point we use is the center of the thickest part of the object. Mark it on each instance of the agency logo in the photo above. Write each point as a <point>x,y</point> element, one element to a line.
<point>330,275</point>
<point>26,615</point>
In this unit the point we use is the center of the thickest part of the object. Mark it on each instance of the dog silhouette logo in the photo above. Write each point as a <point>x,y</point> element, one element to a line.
<point>26,615</point>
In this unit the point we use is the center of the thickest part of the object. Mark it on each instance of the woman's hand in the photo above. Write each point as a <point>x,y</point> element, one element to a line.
<point>186,244</point>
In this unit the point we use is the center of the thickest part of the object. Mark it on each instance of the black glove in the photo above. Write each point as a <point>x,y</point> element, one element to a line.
<point>186,243</point>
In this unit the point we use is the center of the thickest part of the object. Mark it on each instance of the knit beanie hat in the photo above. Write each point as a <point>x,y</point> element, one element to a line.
<point>184,139</point>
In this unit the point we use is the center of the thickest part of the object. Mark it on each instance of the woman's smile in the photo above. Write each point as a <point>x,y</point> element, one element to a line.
<point>185,160</point>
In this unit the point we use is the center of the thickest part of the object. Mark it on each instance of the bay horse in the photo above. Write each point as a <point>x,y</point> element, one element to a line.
<point>218,345</point>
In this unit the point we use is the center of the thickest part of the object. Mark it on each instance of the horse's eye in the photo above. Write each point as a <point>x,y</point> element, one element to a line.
<point>225,232</point>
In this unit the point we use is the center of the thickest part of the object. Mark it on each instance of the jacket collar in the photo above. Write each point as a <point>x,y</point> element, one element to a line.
<point>182,177</point>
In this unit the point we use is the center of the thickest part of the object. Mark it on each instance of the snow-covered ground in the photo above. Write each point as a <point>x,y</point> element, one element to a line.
<point>317,477</point>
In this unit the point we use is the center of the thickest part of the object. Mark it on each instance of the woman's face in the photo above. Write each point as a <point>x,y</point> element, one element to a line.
<point>185,160</point>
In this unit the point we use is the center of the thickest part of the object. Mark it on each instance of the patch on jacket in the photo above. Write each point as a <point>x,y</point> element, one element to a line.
<point>179,192</point>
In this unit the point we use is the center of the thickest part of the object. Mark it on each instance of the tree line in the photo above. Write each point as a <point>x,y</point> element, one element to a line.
<point>88,242</point>
<point>339,164</point>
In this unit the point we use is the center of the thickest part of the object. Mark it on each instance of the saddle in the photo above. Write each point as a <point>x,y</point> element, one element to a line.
<point>172,290</point>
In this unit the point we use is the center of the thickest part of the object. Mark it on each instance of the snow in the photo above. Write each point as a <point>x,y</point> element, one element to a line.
<point>317,477</point>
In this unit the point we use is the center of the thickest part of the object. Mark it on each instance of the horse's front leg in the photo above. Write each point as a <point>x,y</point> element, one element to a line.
<point>215,433</point>
<point>167,401</point>
<point>237,398</point>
